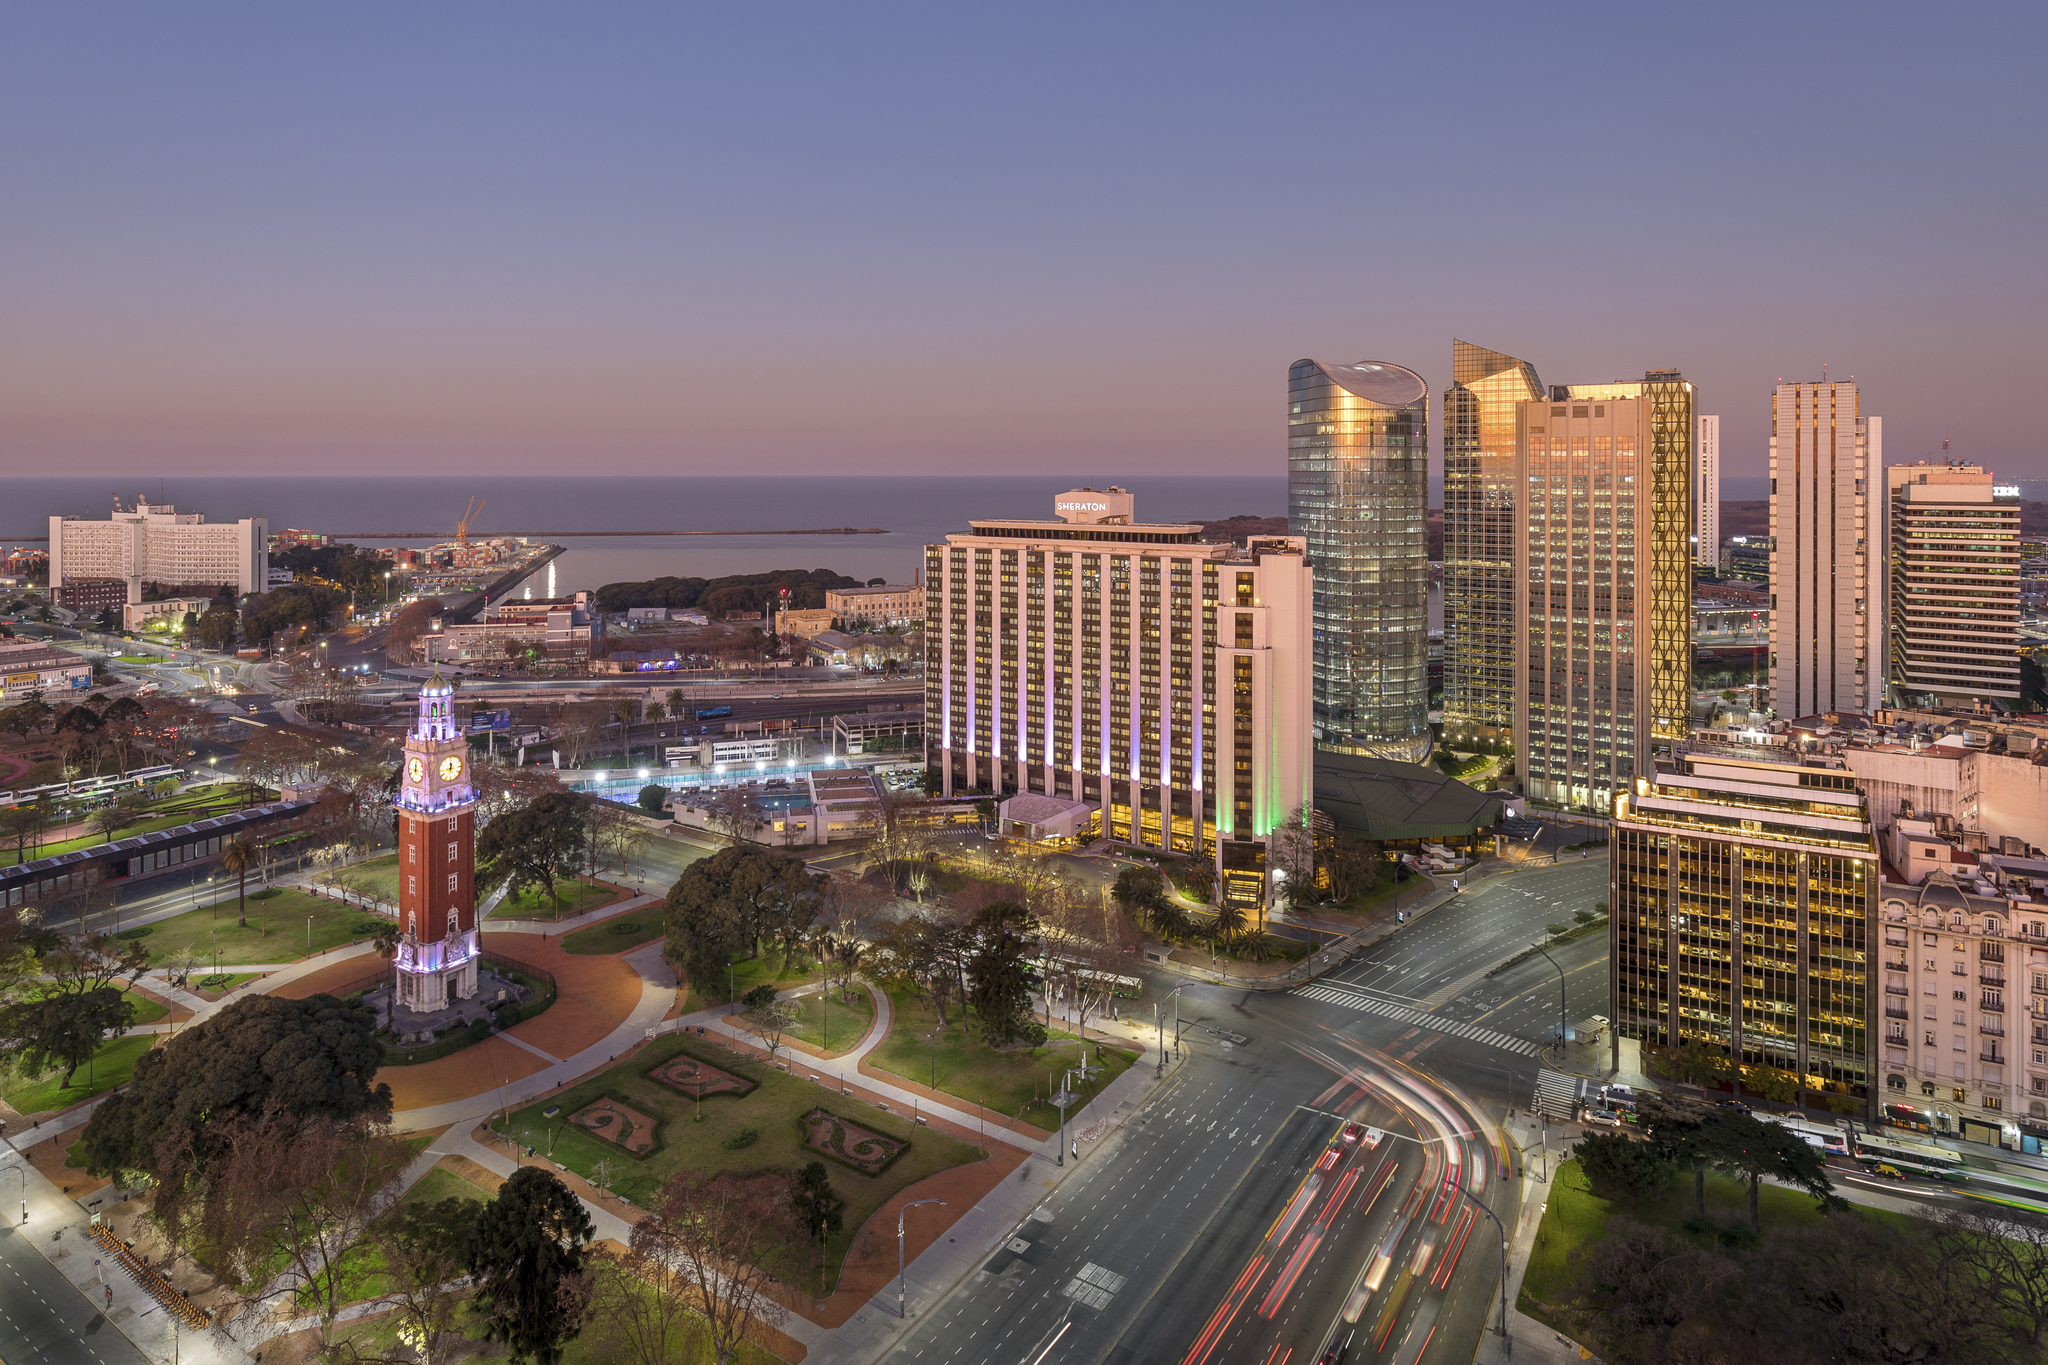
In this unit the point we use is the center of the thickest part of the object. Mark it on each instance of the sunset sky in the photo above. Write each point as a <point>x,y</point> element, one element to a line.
<point>986,239</point>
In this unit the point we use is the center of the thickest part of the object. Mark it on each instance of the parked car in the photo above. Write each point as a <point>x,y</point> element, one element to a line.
<point>1605,1116</point>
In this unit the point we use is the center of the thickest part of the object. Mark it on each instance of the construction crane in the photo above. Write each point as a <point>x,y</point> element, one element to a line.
<point>476,507</point>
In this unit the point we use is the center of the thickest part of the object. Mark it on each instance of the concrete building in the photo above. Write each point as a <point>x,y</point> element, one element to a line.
<point>138,615</point>
<point>562,629</point>
<point>156,543</point>
<point>1744,885</point>
<point>1604,653</point>
<point>1127,665</point>
<point>1952,556</point>
<point>1481,493</point>
<point>91,596</point>
<point>1357,491</point>
<point>31,666</point>
<point>1826,586</point>
<point>876,607</point>
<point>1706,495</point>
<point>805,624</point>
<point>1748,558</point>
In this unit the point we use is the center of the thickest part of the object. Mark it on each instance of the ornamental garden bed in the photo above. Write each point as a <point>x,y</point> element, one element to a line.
<point>698,1078</point>
<point>617,1123</point>
<point>847,1142</point>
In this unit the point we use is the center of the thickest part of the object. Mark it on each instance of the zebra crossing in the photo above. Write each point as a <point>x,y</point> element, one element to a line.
<point>1371,1004</point>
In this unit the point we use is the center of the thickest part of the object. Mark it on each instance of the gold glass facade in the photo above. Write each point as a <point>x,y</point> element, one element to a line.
<point>1672,432</point>
<point>1744,889</point>
<point>1480,495</point>
<point>1357,489</point>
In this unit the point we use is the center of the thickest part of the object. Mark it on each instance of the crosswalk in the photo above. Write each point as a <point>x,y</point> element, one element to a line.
<point>1559,1095</point>
<point>1353,998</point>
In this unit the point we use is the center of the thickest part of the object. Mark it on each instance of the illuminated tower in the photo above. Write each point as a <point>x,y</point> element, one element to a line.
<point>1480,563</point>
<point>437,959</point>
<point>1357,490</point>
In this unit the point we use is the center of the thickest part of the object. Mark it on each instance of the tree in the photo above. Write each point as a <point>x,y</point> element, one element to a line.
<point>722,906</point>
<point>719,1239</point>
<point>774,1016</point>
<point>534,845</point>
<point>623,711</point>
<point>1228,926</point>
<point>293,1192</point>
<point>118,814</point>
<point>385,939</point>
<point>734,812</point>
<point>1291,857</point>
<point>1200,880</point>
<point>1139,890</point>
<point>526,1253</point>
<point>1354,864</point>
<point>63,1030</point>
<point>816,1207</point>
<point>425,1248</point>
<point>615,837</point>
<point>309,1058</point>
<point>2005,1250</point>
<point>413,620</point>
<point>998,987</point>
<point>216,630</point>
<point>1619,1167</point>
<point>19,823</point>
<point>653,797</point>
<point>237,857</point>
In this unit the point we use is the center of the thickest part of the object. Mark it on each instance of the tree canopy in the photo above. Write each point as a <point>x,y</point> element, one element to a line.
<point>730,595</point>
<point>537,844</point>
<point>723,905</point>
<point>306,1058</point>
<point>526,1248</point>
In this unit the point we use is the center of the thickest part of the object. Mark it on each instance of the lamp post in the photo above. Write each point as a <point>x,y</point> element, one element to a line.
<point>732,992</point>
<point>900,1296</point>
<point>1507,1342</point>
<point>1560,997</point>
<point>1158,1025</point>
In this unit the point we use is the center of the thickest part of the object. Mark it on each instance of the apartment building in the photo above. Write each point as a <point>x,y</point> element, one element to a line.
<point>1953,558</point>
<point>1129,666</point>
<point>563,629</point>
<point>1826,581</point>
<point>1744,890</point>
<point>156,543</point>
<point>879,605</point>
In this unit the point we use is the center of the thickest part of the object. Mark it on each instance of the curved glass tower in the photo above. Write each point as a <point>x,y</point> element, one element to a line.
<point>1357,488</point>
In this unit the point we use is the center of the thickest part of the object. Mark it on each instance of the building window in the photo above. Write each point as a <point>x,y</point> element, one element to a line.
<point>412,886</point>
<point>451,881</point>
<point>1927,1088</point>
<point>412,853</point>
<point>451,850</point>
<point>1994,1102</point>
<point>1896,1082</point>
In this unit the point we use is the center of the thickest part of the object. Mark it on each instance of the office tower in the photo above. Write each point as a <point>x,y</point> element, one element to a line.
<point>1744,891</point>
<point>1357,490</point>
<point>1706,496</point>
<point>1135,668</point>
<point>1479,531</point>
<point>1604,649</point>
<point>156,543</point>
<point>1953,550</point>
<point>1824,601</point>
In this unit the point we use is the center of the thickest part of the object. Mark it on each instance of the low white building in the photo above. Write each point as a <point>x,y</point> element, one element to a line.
<point>156,543</point>
<point>138,615</point>
<point>31,666</point>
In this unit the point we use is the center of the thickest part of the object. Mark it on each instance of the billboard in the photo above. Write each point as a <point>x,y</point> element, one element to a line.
<point>484,721</point>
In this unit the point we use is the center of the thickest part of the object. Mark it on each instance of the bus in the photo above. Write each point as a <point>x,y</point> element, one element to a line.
<point>87,788</point>
<point>1832,1141</point>
<point>1904,1152</point>
<point>1375,1273</point>
<point>1391,1312</point>
<point>1878,1165</point>
<point>713,712</point>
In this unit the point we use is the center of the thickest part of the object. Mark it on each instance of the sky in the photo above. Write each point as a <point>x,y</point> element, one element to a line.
<point>896,238</point>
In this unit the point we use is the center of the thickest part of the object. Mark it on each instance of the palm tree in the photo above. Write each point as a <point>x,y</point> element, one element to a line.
<point>1226,927</point>
<point>624,711</point>
<point>385,941</point>
<point>238,857</point>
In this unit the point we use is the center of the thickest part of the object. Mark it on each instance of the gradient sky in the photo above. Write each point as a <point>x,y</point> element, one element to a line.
<point>978,239</point>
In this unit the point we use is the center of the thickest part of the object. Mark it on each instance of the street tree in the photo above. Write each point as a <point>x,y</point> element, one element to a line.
<point>527,1253</point>
<point>535,846</point>
<point>1354,864</point>
<point>309,1058</point>
<point>722,1237</point>
<point>817,1207</point>
<point>63,1029</point>
<point>285,1191</point>
<point>652,798</point>
<point>1619,1167</point>
<point>997,983</point>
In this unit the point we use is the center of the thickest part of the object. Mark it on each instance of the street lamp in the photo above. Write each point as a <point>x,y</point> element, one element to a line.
<point>1158,1026</point>
<point>1560,998</point>
<point>1507,1342</point>
<point>900,1297</point>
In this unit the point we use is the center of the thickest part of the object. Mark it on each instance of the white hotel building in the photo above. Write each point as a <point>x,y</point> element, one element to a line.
<point>156,543</point>
<point>1127,667</point>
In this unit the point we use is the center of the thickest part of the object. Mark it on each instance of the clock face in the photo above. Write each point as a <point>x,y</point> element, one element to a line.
<point>451,768</point>
<point>414,770</point>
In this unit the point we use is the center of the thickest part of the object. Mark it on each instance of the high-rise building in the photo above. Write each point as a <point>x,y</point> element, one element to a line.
<point>1357,491</point>
<point>1825,608</point>
<point>1604,649</point>
<point>156,543</point>
<point>1953,558</point>
<point>1706,496</point>
<point>1744,890</point>
<point>1131,667</point>
<point>1480,495</point>
<point>437,954</point>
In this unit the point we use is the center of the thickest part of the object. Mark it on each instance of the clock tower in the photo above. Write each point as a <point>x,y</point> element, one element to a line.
<point>437,954</point>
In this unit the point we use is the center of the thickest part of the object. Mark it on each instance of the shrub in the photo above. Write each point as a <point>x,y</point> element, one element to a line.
<point>625,927</point>
<point>265,894</point>
<point>479,1030</point>
<point>134,933</point>
<point>745,1137</point>
<point>507,1014</point>
<point>651,798</point>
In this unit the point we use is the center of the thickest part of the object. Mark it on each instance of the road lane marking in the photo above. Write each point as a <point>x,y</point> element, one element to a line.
<point>1430,1022</point>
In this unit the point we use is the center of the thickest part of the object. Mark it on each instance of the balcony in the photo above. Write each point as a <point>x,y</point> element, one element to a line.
<point>1898,990</point>
<point>1895,966</point>
<point>1991,1000</point>
<point>1991,979</point>
<point>1996,1059</point>
<point>1992,1030</point>
<point>1891,1013</point>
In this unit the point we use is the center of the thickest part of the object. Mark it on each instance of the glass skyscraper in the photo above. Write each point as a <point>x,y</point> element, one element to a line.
<point>1479,549</point>
<point>1357,489</point>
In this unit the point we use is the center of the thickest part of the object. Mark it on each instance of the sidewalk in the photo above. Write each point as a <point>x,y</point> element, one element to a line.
<point>1320,962</point>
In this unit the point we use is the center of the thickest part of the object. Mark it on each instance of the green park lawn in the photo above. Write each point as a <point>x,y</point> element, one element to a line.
<point>572,898</point>
<point>276,932</point>
<point>376,878</point>
<point>220,983</point>
<point>773,1111</point>
<point>1576,1216</point>
<point>1016,1082</point>
<point>110,1066</point>
<point>147,1011</point>
<point>616,935</point>
<point>166,814</point>
<point>848,1021</point>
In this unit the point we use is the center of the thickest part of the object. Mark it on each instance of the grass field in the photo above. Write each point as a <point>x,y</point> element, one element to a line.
<point>1576,1216</point>
<point>767,970</point>
<point>773,1110</point>
<point>147,1011</point>
<point>574,896</point>
<point>110,1066</point>
<point>377,878</point>
<point>166,814</point>
<point>617,935</point>
<point>220,983</point>
<point>276,931</point>
<point>1016,1083</point>
<point>848,1021</point>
